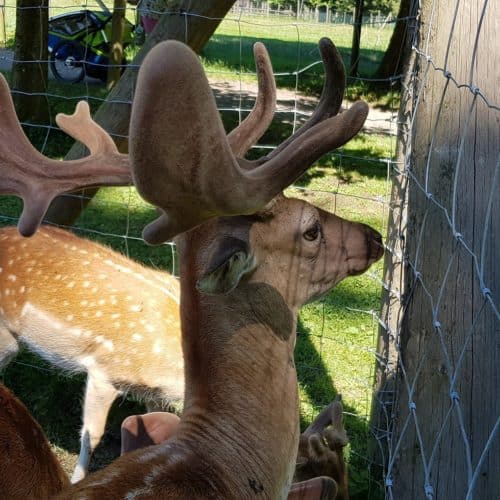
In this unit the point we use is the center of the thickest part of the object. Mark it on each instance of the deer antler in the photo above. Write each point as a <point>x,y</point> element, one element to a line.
<point>37,179</point>
<point>243,137</point>
<point>195,177</point>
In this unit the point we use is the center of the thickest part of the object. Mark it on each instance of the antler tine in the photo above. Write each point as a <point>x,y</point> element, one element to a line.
<point>324,418</point>
<point>36,179</point>
<point>331,95</point>
<point>251,129</point>
<point>195,176</point>
<point>83,128</point>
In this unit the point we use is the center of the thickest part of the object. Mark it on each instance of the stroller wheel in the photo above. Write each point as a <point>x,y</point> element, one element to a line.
<point>67,62</point>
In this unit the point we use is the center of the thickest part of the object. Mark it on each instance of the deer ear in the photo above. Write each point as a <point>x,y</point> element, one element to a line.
<point>230,261</point>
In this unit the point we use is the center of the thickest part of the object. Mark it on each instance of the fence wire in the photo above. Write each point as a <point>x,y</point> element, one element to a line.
<point>326,352</point>
<point>439,416</point>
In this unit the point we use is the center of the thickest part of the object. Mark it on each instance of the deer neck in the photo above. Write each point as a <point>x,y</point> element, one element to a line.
<point>241,384</point>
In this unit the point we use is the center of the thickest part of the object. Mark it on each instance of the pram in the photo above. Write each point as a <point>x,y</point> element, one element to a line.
<point>79,44</point>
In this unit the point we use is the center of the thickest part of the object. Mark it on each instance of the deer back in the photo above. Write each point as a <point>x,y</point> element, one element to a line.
<point>84,306</point>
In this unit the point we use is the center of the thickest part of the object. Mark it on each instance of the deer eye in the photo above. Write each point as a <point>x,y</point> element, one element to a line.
<point>313,232</point>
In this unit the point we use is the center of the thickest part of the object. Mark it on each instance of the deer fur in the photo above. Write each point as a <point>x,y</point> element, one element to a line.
<point>86,308</point>
<point>29,470</point>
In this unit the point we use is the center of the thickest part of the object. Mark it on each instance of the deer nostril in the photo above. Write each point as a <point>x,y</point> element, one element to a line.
<point>376,245</point>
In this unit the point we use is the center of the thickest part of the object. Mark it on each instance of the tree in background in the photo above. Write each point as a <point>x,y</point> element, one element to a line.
<point>29,79</point>
<point>397,52</point>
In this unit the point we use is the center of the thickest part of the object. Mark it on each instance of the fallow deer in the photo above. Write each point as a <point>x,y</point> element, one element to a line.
<point>29,470</point>
<point>86,308</point>
<point>249,258</point>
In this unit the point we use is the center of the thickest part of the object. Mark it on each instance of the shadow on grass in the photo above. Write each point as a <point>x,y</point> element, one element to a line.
<point>235,53</point>
<point>315,380</point>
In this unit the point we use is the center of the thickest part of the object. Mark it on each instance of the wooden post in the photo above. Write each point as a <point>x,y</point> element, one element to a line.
<point>2,23</point>
<point>116,42</point>
<point>446,437</point>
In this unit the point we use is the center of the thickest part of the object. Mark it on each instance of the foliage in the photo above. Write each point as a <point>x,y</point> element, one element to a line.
<point>370,6</point>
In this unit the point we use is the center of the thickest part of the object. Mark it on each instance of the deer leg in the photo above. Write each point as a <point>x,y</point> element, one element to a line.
<point>99,397</point>
<point>8,347</point>
<point>318,488</point>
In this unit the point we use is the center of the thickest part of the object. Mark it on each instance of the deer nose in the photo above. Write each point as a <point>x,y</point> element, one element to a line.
<point>375,244</point>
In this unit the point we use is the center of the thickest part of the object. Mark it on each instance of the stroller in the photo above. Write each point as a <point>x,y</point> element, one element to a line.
<point>79,44</point>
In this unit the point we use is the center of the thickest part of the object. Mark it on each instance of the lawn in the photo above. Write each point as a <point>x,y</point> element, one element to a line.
<point>337,335</point>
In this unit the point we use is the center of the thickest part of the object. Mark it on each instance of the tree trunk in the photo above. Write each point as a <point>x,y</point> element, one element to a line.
<point>396,56</point>
<point>356,38</point>
<point>29,71</point>
<point>445,442</point>
<point>116,43</point>
<point>113,115</point>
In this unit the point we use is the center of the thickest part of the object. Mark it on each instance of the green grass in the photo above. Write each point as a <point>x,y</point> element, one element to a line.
<point>335,344</point>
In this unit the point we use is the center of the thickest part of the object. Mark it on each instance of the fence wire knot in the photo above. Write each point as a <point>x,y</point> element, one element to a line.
<point>486,292</point>
<point>454,396</point>
<point>429,491</point>
<point>437,324</point>
<point>447,74</point>
<point>412,406</point>
<point>388,482</point>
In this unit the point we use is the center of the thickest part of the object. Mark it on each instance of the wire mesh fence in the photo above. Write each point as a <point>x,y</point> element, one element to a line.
<point>438,387</point>
<point>336,347</point>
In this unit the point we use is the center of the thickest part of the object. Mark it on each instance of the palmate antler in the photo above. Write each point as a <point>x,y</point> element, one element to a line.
<point>194,178</point>
<point>37,179</point>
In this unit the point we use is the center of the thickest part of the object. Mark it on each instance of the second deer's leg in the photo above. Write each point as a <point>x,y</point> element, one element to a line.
<point>99,397</point>
<point>8,347</point>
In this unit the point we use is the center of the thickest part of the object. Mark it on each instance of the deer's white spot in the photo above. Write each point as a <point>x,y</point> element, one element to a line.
<point>117,324</point>
<point>157,347</point>
<point>136,308</point>
<point>12,277</point>
<point>101,302</point>
<point>71,284</point>
<point>84,302</point>
<point>98,314</point>
<point>22,289</point>
<point>7,291</point>
<point>115,315</point>
<point>136,337</point>
<point>86,284</point>
<point>131,324</point>
<point>150,328</point>
<point>69,317</point>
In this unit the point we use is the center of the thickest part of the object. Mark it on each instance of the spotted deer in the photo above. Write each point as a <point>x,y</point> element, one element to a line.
<point>86,308</point>
<point>249,257</point>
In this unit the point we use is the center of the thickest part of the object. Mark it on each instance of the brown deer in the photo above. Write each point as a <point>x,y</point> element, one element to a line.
<point>28,468</point>
<point>249,258</point>
<point>320,454</point>
<point>86,308</point>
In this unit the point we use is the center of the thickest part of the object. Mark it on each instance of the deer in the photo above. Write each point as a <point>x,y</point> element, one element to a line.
<point>320,452</point>
<point>321,449</point>
<point>29,469</point>
<point>85,308</point>
<point>249,258</point>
